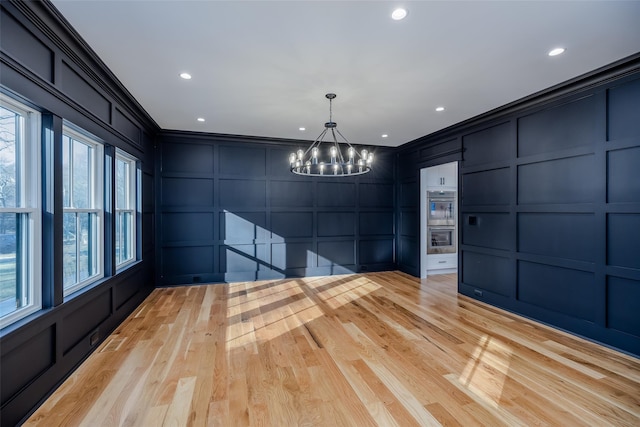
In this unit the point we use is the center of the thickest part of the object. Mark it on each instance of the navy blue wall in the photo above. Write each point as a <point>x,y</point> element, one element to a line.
<point>47,66</point>
<point>229,209</point>
<point>550,206</point>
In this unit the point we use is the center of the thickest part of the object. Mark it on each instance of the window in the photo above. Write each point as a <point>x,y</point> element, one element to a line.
<point>20,214</point>
<point>125,209</point>
<point>82,200</point>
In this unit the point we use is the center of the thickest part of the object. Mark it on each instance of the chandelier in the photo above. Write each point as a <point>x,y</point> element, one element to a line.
<point>333,162</point>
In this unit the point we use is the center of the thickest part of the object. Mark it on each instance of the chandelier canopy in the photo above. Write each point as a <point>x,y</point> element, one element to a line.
<point>331,162</point>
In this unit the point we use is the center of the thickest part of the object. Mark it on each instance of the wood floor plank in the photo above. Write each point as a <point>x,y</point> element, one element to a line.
<point>381,349</point>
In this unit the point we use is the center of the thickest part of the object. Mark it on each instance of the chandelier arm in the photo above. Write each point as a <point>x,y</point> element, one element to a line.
<point>348,143</point>
<point>337,145</point>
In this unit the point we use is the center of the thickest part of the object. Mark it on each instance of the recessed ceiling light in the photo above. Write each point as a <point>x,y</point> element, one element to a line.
<point>398,14</point>
<point>439,108</point>
<point>556,51</point>
<point>384,135</point>
<point>302,129</point>
<point>200,119</point>
<point>185,76</point>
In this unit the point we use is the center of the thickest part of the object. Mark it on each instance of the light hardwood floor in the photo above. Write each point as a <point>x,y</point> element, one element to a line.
<point>359,350</point>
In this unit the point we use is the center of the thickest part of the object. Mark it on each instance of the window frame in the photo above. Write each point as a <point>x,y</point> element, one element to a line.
<point>29,206</point>
<point>97,186</point>
<point>132,199</point>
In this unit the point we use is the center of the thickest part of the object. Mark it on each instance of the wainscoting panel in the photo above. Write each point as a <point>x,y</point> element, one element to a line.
<point>549,207</point>
<point>271,223</point>
<point>488,145</point>
<point>566,126</point>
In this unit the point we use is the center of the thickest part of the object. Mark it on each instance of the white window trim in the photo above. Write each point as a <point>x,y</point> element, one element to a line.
<point>97,201</point>
<point>133,198</point>
<point>30,205</point>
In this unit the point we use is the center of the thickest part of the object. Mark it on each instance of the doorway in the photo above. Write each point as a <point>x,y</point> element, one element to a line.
<point>439,219</point>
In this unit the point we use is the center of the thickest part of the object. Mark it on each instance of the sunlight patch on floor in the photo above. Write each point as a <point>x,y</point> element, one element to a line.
<point>259,311</point>
<point>487,370</point>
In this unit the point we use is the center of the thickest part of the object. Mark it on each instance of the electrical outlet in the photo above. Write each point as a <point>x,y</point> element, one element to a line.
<point>94,338</point>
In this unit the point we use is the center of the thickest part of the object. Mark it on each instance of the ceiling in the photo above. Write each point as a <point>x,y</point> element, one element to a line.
<point>262,68</point>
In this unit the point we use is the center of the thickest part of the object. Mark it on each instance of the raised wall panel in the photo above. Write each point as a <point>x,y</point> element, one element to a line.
<point>563,290</point>
<point>243,226</point>
<point>623,240</point>
<point>243,161</point>
<point>409,223</point>
<point>376,223</point>
<point>490,230</point>
<point>26,362</point>
<point>187,192</point>
<point>84,319</point>
<point>148,192</point>
<point>332,224</point>
<point>376,195</point>
<point>409,195</point>
<point>278,161</point>
<point>187,158</point>
<point>292,194</point>
<point>623,305</point>
<point>179,261</point>
<point>126,289</point>
<point>408,165</point>
<point>491,187</point>
<point>408,253</point>
<point>567,126</point>
<point>439,148</point>
<point>623,173</point>
<point>376,251</point>
<point>292,255</point>
<point>336,194</point>
<point>624,110</point>
<point>383,166</point>
<point>148,230</point>
<point>81,91</point>
<point>238,193</point>
<point>336,253</point>
<point>243,258</point>
<point>292,224</point>
<point>561,235</point>
<point>488,272</point>
<point>23,46</point>
<point>187,226</point>
<point>570,180</point>
<point>487,146</point>
<point>125,125</point>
